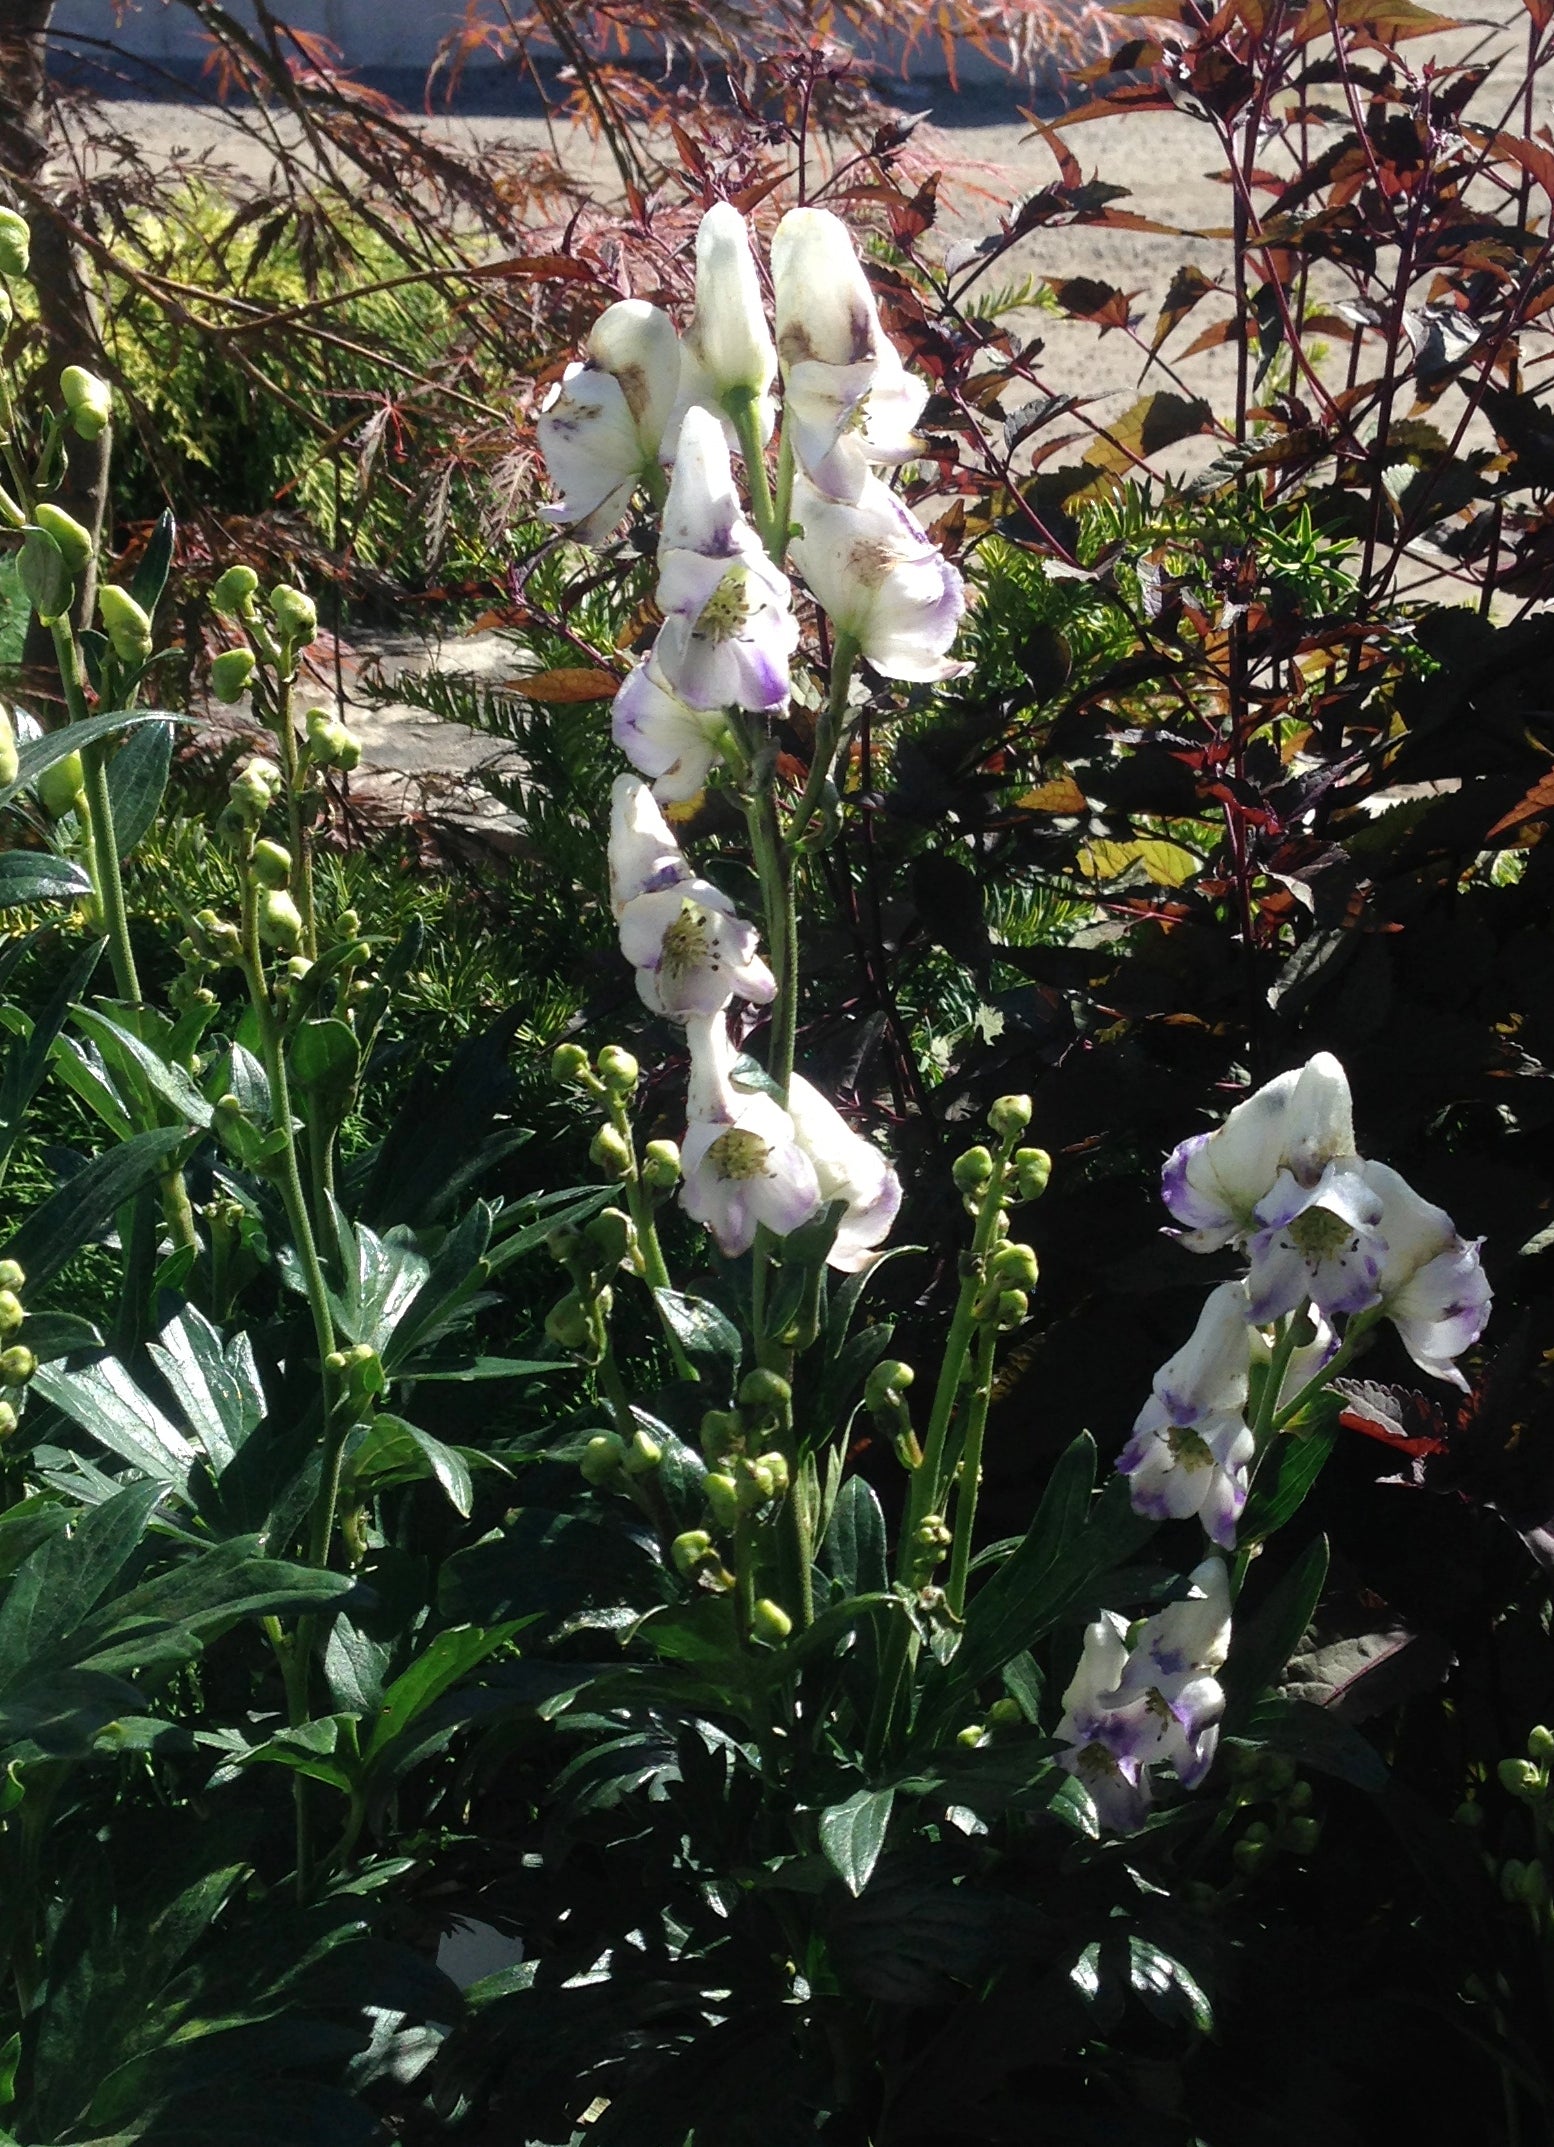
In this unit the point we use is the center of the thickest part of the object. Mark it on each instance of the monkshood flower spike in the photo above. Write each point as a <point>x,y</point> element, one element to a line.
<point>676,745</point>
<point>602,427</point>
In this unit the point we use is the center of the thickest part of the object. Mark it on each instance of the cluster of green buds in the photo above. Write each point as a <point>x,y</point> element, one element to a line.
<point>1528,1780</point>
<point>1260,1778</point>
<point>990,1183</point>
<point>329,743</point>
<point>275,631</point>
<point>592,1256</point>
<point>359,1379</point>
<point>1003,1716</point>
<point>17,1362</point>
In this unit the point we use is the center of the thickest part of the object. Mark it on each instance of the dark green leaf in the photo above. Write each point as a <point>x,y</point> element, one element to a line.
<point>137,777</point>
<point>1169,1990</point>
<point>128,1056</point>
<point>853,1834</point>
<point>155,563</point>
<point>103,1399</point>
<point>1262,1645</point>
<point>450,1657</point>
<point>392,1451</point>
<point>66,1577</point>
<point>700,1328</point>
<point>325,1062</point>
<point>85,1206</point>
<point>216,1383</point>
<point>853,1552</point>
<point>28,876</point>
<point>1301,1456</point>
<point>1317,1738</point>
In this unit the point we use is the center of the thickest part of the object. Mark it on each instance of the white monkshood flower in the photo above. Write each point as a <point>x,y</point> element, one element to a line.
<point>878,576</point>
<point>676,745</point>
<point>1432,1285</point>
<point>728,345</point>
<point>847,398</point>
<point>848,1168</point>
<point>742,1163</point>
<point>1191,1448</point>
<point>692,954</point>
<point>728,626</point>
<point>602,425</point>
<point>644,857</point>
<point>1318,1244</point>
<point>1300,1123</point>
<point>1158,1703</point>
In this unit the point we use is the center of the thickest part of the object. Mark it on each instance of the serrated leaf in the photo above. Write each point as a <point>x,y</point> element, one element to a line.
<point>1168,864</point>
<point>392,1451</point>
<point>63,1581</point>
<point>853,1834</point>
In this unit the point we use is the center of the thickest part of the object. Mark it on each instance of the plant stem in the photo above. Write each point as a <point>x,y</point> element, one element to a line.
<point>984,1350</point>
<point>740,403</point>
<point>103,849</point>
<point>301,845</point>
<point>1359,1327</point>
<point>828,737</point>
<point>639,1204</point>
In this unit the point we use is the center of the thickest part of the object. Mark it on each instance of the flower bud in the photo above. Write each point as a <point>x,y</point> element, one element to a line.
<point>1010,1115</point>
<point>12,1312</point>
<point>775,1467</point>
<point>126,624</point>
<point>15,243</point>
<point>603,1457</point>
<point>722,1497</point>
<point>1278,1772</point>
<point>74,544</point>
<point>331,743</point>
<point>617,1069</point>
<point>1014,1265</point>
<point>1032,1170</point>
<point>660,1166</point>
<point>233,592</point>
<point>643,1455</point>
<point>1013,1307</point>
<point>754,1485</point>
<point>1005,1714</point>
<point>280,921</point>
<point>218,941</point>
<point>567,1063</point>
<point>17,1365</point>
<point>1511,1878</point>
<point>88,399</point>
<point>272,863</point>
<point>1469,1815</point>
<point>1540,1743</point>
<point>230,674</point>
<point>610,1152</point>
<point>886,1385</point>
<point>48,583</point>
<point>1301,1797</point>
<point>1521,1778</point>
<point>612,1237</point>
<point>60,786</point>
<point>720,1433</point>
<point>762,1389</point>
<point>1248,1854</point>
<point>8,1420</point>
<point>253,788</point>
<point>568,1324</point>
<point>770,1622</point>
<point>11,1275</point>
<point>10,763</point>
<point>691,1551</point>
<point>972,1171</point>
<point>294,613</point>
<point>1303,1835</point>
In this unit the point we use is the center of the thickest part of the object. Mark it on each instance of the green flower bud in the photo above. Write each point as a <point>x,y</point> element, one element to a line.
<point>331,743</point>
<point>10,764</point>
<point>1015,1267</point>
<point>219,940</point>
<point>1010,1115</point>
<point>603,1457</point>
<point>568,1062</point>
<point>722,1497</point>
<point>11,1275</point>
<point>720,1433</point>
<point>972,1171</point>
<point>568,1324</point>
<point>1540,1743</point>
<point>272,863</point>
<point>774,1467</point>
<point>15,243</point>
<point>691,1551</point>
<point>126,624</point>
<point>280,921</point>
<point>1005,1714</point>
<point>60,786</point>
<point>765,1390</point>
<point>1032,1170</point>
<point>1521,1778</point>
<point>660,1166</point>
<point>885,1386</point>
<point>643,1455</point>
<point>297,968</point>
<point>1301,1797</point>
<point>617,1069</point>
<point>1248,1854</point>
<point>755,1485</point>
<point>610,1152</point>
<point>72,541</point>
<point>254,787</point>
<point>230,674</point>
<point>770,1622</point>
<point>12,1312</point>
<point>17,1365</point>
<point>47,580</point>
<point>233,592</point>
<point>970,1736</point>
<point>88,399</point>
<point>1470,1815</point>
<point>8,1420</point>
<point>1278,1771</point>
<point>1511,1872</point>
<point>612,1237</point>
<point>295,614</point>
<point>1303,1835</point>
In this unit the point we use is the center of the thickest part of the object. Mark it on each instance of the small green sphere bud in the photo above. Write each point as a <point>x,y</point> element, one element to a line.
<point>280,921</point>
<point>617,1069</point>
<point>1258,1831</point>
<point>722,1498</point>
<point>770,1622</point>
<point>88,399</point>
<point>566,1244</point>
<point>1248,1854</point>
<point>568,1324</point>
<point>1521,1778</point>
<point>720,1433</point>
<point>17,1365</point>
<point>885,1386</point>
<point>15,243</point>
<point>643,1455</point>
<point>1032,1171</point>
<point>660,1166</point>
<point>60,786</point>
<point>568,1062</point>
<point>765,1390</point>
<point>1013,1306</point>
<point>11,1275</point>
<point>755,1486</point>
<point>73,542</point>
<point>1015,1266</point>
<point>126,623</point>
<point>1278,1771</point>
<point>970,1736</point>
<point>8,1420</point>
<point>609,1152</point>
<point>611,1235</point>
<point>298,967</point>
<point>295,614</point>
<point>335,1362</point>
<point>219,941</point>
<point>691,1551</point>
<point>1005,1714</point>
<point>603,1457</point>
<point>774,1466</point>
<point>351,927</point>
<point>230,674</point>
<point>1540,1743</point>
<point>253,788</point>
<point>12,1312</point>
<point>272,864</point>
<point>1010,1115</point>
<point>1301,1797</point>
<point>1303,1835</point>
<point>233,592</point>
<point>972,1171</point>
<point>1470,1815</point>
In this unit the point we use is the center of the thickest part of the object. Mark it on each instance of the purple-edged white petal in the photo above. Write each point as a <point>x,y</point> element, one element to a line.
<point>1299,1122</point>
<point>741,1161</point>
<point>728,346</point>
<point>644,857</point>
<point>880,578</point>
<point>676,745</point>
<point>1208,1374</point>
<point>733,653</point>
<point>602,425</point>
<point>691,953</point>
<point>1176,1470</point>
<point>1432,1284</point>
<point>848,1168</point>
<point>1318,1243</point>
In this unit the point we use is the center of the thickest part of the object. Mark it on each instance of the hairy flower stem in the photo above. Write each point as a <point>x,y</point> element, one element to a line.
<point>969,1474</point>
<point>301,843</point>
<point>639,1206</point>
<point>103,848</point>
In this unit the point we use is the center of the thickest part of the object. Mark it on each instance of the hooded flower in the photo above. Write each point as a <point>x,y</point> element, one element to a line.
<point>644,857</point>
<point>1431,1283</point>
<point>1191,1448</point>
<point>848,400</point>
<point>602,425</point>
<point>1299,1123</point>
<point>1316,1244</point>
<point>692,954</point>
<point>742,1163</point>
<point>848,1168</point>
<point>1158,1703</point>
<point>874,570</point>
<point>728,627</point>
<point>728,346</point>
<point>675,744</point>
